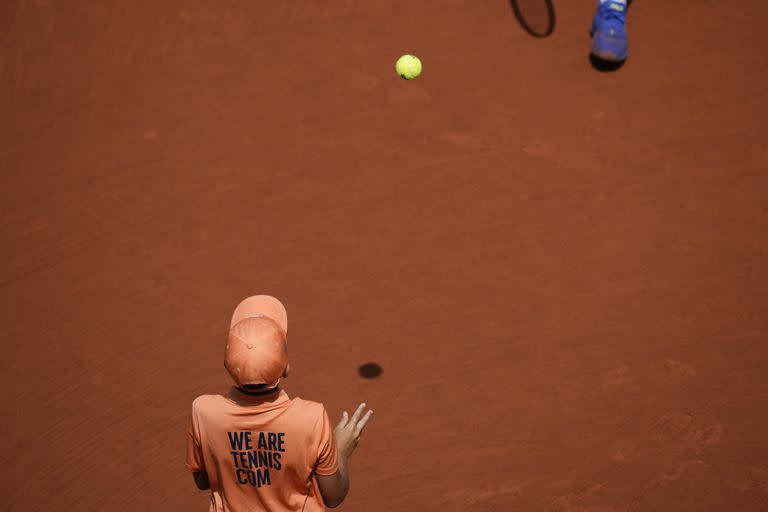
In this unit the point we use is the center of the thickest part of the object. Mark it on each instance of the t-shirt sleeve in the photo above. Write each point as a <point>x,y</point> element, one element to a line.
<point>195,461</point>
<point>327,453</point>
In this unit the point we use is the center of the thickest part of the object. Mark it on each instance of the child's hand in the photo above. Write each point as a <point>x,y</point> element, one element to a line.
<point>348,431</point>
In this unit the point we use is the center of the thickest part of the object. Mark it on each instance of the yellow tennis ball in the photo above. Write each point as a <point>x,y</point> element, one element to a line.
<point>408,67</point>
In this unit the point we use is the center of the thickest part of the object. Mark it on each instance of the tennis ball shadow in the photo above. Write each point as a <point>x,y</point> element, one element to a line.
<point>370,371</point>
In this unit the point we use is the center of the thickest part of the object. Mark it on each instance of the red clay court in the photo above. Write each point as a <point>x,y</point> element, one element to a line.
<point>563,273</point>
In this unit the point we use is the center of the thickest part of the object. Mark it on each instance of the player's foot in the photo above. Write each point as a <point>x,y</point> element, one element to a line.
<point>609,34</point>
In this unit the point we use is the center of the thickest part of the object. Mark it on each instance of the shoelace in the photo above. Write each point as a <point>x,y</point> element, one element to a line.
<point>612,16</point>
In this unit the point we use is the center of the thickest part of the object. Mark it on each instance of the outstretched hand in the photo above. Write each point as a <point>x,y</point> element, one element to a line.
<point>349,430</point>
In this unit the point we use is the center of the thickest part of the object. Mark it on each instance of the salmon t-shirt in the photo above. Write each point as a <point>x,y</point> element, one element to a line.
<point>261,453</point>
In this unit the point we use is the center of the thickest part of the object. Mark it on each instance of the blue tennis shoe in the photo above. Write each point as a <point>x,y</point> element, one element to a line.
<point>609,34</point>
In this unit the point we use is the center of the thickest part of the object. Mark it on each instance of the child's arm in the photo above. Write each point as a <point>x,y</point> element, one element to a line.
<point>334,488</point>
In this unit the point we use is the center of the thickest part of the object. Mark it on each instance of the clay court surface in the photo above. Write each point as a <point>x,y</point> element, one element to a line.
<point>562,272</point>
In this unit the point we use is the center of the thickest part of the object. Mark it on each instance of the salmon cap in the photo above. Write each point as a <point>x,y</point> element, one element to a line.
<point>257,345</point>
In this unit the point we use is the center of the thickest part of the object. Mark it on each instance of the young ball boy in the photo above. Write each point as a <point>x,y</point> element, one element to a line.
<point>254,447</point>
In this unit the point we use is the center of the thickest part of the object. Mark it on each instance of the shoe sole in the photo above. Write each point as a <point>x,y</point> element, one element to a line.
<point>609,56</point>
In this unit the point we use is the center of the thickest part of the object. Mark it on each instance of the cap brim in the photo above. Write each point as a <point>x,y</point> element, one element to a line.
<point>261,305</point>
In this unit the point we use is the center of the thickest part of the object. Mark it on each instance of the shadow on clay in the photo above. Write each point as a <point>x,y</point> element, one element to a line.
<point>537,17</point>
